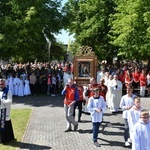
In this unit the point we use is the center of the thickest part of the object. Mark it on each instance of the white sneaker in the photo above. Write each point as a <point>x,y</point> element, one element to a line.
<point>127,144</point>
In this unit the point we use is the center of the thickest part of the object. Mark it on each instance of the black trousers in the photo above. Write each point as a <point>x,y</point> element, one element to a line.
<point>33,89</point>
<point>7,134</point>
<point>79,105</point>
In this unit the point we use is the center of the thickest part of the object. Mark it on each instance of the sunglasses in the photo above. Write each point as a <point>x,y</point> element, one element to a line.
<point>96,90</point>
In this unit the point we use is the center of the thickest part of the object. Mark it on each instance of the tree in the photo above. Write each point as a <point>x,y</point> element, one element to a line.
<point>89,21</point>
<point>130,29</point>
<point>21,27</point>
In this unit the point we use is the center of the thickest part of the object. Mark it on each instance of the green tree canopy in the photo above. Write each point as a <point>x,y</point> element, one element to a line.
<point>22,23</point>
<point>130,28</point>
<point>112,27</point>
<point>89,21</point>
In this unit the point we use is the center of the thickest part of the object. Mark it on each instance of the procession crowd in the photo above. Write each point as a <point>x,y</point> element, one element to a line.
<point>107,91</point>
<point>114,88</point>
<point>136,118</point>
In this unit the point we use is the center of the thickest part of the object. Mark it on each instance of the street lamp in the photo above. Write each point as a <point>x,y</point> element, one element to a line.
<point>48,42</point>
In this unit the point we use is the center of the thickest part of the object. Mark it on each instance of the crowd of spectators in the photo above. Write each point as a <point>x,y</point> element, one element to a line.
<point>41,70</point>
<point>49,76</point>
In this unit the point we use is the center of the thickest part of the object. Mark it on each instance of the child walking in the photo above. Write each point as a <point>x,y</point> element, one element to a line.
<point>134,116</point>
<point>96,106</point>
<point>141,132</point>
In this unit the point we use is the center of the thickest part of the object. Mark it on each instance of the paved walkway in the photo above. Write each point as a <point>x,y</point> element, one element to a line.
<point>46,126</point>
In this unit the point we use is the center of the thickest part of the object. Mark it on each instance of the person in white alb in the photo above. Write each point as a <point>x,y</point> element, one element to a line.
<point>116,93</point>
<point>141,132</point>
<point>126,104</point>
<point>96,106</point>
<point>134,115</point>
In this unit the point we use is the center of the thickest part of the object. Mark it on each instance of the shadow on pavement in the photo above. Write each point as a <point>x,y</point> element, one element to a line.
<point>30,146</point>
<point>39,101</point>
<point>112,143</point>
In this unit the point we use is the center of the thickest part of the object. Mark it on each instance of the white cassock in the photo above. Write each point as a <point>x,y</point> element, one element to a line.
<point>133,117</point>
<point>16,85</point>
<point>66,76</point>
<point>116,94</point>
<point>141,136</point>
<point>27,90</point>
<point>109,91</point>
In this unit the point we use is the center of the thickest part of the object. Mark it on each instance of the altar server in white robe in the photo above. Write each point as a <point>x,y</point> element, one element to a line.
<point>141,132</point>
<point>127,101</point>
<point>116,93</point>
<point>134,115</point>
<point>96,106</point>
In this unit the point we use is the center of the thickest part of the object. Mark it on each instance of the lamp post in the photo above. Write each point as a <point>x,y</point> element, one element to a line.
<point>48,42</point>
<point>49,50</point>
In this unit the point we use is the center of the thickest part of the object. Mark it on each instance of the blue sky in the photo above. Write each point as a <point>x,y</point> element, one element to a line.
<point>64,36</point>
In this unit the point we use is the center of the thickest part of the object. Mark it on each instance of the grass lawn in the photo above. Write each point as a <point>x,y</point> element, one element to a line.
<point>19,118</point>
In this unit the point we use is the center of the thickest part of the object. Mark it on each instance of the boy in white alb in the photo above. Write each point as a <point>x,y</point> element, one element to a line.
<point>96,106</point>
<point>141,132</point>
<point>134,115</point>
<point>126,104</point>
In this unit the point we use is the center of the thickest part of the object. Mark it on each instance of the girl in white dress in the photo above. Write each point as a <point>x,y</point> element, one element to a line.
<point>10,83</point>
<point>27,90</point>
<point>21,87</point>
<point>16,85</point>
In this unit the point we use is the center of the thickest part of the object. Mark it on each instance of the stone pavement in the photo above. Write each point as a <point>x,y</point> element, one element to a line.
<point>45,129</point>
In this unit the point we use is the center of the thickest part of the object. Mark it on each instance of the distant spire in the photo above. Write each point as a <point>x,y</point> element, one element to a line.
<point>68,48</point>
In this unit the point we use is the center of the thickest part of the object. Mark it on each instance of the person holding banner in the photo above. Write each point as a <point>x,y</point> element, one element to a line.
<point>6,130</point>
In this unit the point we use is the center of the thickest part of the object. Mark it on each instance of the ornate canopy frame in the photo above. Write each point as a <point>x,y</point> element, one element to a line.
<point>85,65</point>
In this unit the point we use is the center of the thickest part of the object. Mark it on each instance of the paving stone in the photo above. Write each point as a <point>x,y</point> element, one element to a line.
<point>45,129</point>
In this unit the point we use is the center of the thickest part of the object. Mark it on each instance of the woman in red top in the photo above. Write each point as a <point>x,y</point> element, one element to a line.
<point>136,78</point>
<point>121,77</point>
<point>128,78</point>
